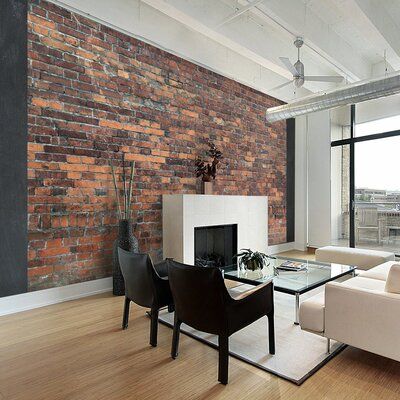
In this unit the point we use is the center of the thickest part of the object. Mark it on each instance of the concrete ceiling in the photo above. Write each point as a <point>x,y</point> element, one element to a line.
<point>342,37</point>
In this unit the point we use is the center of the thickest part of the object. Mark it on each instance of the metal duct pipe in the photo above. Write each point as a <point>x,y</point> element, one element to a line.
<point>350,94</point>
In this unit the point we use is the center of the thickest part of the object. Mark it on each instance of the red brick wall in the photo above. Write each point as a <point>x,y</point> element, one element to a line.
<point>94,93</point>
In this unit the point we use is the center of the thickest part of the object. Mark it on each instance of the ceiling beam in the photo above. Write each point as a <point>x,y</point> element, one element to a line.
<point>239,12</point>
<point>299,20</point>
<point>145,23</point>
<point>250,37</point>
<point>197,25</point>
<point>388,27</point>
<point>370,37</point>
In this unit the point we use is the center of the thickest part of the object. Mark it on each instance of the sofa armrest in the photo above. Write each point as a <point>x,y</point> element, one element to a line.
<point>363,318</point>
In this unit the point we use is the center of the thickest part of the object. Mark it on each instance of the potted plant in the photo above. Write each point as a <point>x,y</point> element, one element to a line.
<point>254,260</point>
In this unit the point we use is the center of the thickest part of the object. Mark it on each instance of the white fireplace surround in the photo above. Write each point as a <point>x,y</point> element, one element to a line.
<point>184,212</point>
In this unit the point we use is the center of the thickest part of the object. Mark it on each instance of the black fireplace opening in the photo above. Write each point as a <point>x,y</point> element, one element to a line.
<point>215,245</point>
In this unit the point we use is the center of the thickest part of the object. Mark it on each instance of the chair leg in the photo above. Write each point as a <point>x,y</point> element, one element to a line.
<point>223,343</point>
<point>125,317</point>
<point>271,332</point>
<point>175,337</point>
<point>154,327</point>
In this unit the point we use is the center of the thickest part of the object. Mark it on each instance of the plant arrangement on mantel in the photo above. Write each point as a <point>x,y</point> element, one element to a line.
<point>207,170</point>
<point>126,240</point>
<point>254,261</point>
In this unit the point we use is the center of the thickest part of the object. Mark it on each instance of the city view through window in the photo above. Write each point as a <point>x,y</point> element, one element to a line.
<point>377,189</point>
<point>377,193</point>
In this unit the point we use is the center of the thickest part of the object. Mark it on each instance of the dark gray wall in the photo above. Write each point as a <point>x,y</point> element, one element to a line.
<point>290,171</point>
<point>13,147</point>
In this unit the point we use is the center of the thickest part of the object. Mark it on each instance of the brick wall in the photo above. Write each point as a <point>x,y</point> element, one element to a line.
<point>94,93</point>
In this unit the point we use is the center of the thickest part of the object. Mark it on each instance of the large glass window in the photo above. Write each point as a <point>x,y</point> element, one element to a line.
<point>377,116</point>
<point>377,193</point>
<point>365,182</point>
<point>378,126</point>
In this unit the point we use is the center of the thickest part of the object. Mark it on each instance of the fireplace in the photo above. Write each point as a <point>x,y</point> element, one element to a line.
<point>215,245</point>
<point>186,215</point>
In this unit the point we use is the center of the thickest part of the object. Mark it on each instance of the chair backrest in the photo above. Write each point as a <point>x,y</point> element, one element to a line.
<point>199,295</point>
<point>137,270</point>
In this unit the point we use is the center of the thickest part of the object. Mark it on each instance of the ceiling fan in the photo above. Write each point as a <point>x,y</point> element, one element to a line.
<point>297,70</point>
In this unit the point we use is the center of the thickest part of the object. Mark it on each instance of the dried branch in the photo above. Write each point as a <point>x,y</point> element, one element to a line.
<point>130,187</point>
<point>116,190</point>
<point>124,180</point>
<point>127,189</point>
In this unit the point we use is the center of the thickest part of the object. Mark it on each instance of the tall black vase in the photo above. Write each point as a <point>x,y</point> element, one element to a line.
<point>127,241</point>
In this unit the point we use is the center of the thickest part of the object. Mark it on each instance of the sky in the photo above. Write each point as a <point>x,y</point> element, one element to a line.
<point>377,162</point>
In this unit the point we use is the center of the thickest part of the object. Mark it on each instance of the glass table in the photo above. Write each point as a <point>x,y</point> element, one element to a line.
<point>315,274</point>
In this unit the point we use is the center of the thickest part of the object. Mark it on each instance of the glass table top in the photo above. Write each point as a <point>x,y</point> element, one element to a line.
<point>315,274</point>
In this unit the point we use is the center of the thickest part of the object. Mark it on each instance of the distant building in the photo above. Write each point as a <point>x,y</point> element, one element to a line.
<point>377,196</point>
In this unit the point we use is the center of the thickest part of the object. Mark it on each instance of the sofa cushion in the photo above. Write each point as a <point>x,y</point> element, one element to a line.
<point>380,272</point>
<point>365,283</point>
<point>312,313</point>
<point>361,258</point>
<point>393,279</point>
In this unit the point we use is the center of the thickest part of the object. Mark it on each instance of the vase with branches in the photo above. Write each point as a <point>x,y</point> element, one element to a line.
<point>126,240</point>
<point>206,170</point>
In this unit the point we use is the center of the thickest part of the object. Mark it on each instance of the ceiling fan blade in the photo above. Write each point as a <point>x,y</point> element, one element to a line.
<point>281,86</point>
<point>324,78</point>
<point>286,62</point>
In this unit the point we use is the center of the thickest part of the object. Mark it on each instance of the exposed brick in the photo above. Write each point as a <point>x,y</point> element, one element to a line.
<point>94,93</point>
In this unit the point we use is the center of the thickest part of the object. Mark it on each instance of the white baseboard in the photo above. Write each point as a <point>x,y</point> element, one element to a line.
<point>41,298</point>
<point>279,248</point>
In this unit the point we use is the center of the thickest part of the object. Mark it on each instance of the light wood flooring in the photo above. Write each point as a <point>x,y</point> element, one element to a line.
<point>77,350</point>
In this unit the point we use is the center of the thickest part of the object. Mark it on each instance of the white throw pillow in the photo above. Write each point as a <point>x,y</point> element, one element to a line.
<point>393,280</point>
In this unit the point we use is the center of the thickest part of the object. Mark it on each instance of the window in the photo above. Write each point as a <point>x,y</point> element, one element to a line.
<point>378,126</point>
<point>365,181</point>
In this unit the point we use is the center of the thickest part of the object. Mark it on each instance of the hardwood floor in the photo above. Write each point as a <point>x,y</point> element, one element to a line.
<point>77,350</point>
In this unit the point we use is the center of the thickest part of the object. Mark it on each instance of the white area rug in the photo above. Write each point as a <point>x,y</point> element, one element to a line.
<point>298,354</point>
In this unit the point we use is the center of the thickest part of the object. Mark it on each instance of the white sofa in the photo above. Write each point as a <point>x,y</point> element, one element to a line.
<point>358,312</point>
<point>361,258</point>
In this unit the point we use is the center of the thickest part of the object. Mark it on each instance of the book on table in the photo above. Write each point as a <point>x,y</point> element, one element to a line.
<point>294,266</point>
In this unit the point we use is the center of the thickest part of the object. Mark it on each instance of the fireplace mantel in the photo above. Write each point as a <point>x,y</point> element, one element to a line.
<point>184,212</point>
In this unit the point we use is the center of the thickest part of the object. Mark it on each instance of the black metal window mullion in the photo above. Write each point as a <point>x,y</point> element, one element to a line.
<point>374,136</point>
<point>352,177</point>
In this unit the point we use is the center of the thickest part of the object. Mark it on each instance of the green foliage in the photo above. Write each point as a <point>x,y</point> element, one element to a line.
<point>249,258</point>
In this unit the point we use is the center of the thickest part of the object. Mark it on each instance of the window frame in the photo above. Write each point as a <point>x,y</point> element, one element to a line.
<point>351,141</point>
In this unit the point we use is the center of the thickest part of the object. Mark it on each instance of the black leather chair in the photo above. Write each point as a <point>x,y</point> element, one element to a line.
<point>146,285</point>
<point>203,302</point>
